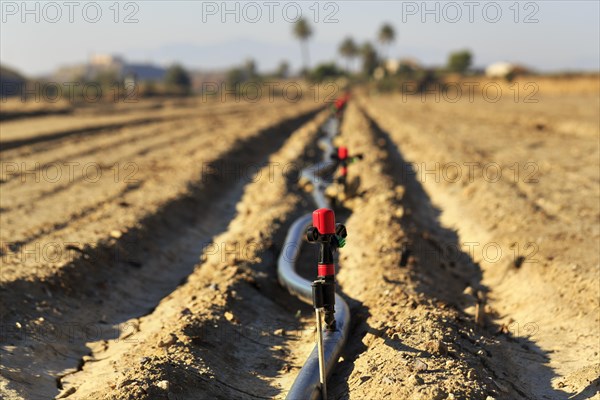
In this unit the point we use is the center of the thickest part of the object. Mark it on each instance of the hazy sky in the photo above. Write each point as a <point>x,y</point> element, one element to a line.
<point>548,35</point>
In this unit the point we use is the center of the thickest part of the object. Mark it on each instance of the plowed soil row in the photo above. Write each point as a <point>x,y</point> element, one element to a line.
<point>140,317</point>
<point>515,186</point>
<point>105,251</point>
<point>229,331</point>
<point>39,132</point>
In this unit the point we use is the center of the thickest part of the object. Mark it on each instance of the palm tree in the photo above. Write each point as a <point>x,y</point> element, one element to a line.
<point>303,31</point>
<point>386,36</point>
<point>250,69</point>
<point>369,58</point>
<point>283,69</point>
<point>349,50</point>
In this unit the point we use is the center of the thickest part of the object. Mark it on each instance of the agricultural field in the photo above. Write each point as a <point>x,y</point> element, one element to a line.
<point>140,246</point>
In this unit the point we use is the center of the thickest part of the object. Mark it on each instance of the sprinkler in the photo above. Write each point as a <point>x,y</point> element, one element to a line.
<point>343,159</point>
<point>339,104</point>
<point>330,237</point>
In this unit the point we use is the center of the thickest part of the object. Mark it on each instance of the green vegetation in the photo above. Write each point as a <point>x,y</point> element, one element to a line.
<point>326,71</point>
<point>178,80</point>
<point>303,31</point>
<point>240,75</point>
<point>459,61</point>
<point>386,37</point>
<point>349,50</point>
<point>283,70</point>
<point>370,59</point>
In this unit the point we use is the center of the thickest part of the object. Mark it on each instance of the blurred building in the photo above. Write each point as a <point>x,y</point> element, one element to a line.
<point>505,70</point>
<point>102,64</point>
<point>394,66</point>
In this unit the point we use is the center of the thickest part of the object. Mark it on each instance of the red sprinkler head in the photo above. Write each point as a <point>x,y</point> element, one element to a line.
<point>324,221</point>
<point>341,101</point>
<point>342,153</point>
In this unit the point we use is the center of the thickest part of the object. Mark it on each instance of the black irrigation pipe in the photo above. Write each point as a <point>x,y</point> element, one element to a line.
<point>307,384</point>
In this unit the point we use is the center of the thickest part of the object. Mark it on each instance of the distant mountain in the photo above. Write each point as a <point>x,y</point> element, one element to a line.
<point>227,54</point>
<point>104,63</point>
<point>10,81</point>
<point>10,73</point>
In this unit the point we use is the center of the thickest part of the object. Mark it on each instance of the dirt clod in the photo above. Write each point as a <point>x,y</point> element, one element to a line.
<point>67,392</point>
<point>168,341</point>
<point>471,374</point>
<point>436,347</point>
<point>229,316</point>
<point>420,366</point>
<point>416,380</point>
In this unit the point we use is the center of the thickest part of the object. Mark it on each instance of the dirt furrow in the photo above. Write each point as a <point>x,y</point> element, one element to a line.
<point>539,278</point>
<point>406,341</point>
<point>58,149</point>
<point>230,331</point>
<point>93,297</point>
<point>119,164</point>
<point>15,137</point>
<point>21,196</point>
<point>152,169</point>
<point>73,154</point>
<point>42,133</point>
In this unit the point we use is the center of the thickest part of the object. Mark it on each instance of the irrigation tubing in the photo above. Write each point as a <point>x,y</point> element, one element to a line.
<point>307,385</point>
